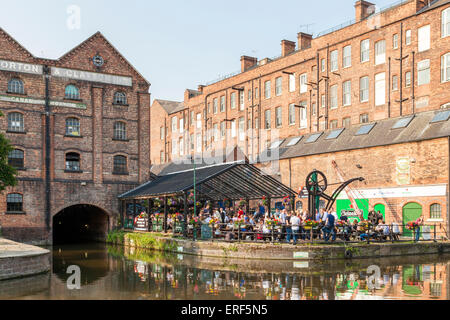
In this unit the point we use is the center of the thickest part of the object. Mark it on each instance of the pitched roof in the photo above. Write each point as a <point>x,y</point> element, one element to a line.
<point>171,107</point>
<point>433,5</point>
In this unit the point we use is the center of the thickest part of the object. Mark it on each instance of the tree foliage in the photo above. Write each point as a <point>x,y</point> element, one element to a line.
<point>7,173</point>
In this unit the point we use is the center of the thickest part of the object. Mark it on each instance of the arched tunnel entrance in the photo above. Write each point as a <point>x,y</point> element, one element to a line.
<point>80,223</point>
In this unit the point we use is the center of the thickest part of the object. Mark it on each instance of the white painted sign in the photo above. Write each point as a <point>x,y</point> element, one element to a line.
<point>20,67</point>
<point>24,100</point>
<point>380,193</point>
<point>91,76</point>
<point>301,265</point>
<point>301,255</point>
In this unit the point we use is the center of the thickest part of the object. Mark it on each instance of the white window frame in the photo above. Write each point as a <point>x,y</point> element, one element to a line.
<point>445,23</point>
<point>304,83</point>
<point>303,115</point>
<point>267,89</point>
<point>365,50</point>
<point>241,100</point>
<point>181,125</point>
<point>395,41</point>
<point>424,38</point>
<point>408,79</point>
<point>223,106</point>
<point>347,93</point>
<point>199,120</point>
<point>292,115</point>
<point>423,72</point>
<point>233,101</point>
<point>380,52</point>
<point>199,142</point>
<point>364,83</point>
<point>334,58</point>
<point>215,105</point>
<point>380,89</point>
<point>445,67</point>
<point>241,129</point>
<point>278,117</point>
<point>279,86</point>
<point>267,119</point>
<point>181,143</point>
<point>347,57</point>
<point>395,83</point>
<point>408,37</point>
<point>292,82</point>
<point>334,97</point>
<point>174,124</point>
<point>233,129</point>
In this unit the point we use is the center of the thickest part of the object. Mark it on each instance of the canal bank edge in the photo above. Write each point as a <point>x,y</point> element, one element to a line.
<point>19,260</point>
<point>262,251</point>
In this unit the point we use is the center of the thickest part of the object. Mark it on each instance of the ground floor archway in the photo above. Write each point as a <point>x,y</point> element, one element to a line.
<point>80,223</point>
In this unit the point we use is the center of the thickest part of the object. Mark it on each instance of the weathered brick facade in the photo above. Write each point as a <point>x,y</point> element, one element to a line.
<point>95,183</point>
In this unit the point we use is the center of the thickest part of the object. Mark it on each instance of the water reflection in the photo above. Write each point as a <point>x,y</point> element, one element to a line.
<point>116,273</point>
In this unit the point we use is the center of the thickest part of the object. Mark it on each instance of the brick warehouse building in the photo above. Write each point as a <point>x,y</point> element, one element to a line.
<point>381,67</point>
<point>80,128</point>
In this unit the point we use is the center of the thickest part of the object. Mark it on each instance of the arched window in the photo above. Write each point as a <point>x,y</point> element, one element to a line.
<point>15,122</point>
<point>435,211</point>
<point>72,92</point>
<point>73,127</point>
<point>14,202</point>
<point>73,162</point>
<point>120,98</point>
<point>120,131</point>
<point>120,164</point>
<point>15,158</point>
<point>16,86</point>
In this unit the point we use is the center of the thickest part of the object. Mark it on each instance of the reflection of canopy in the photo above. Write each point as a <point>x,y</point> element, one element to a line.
<point>233,181</point>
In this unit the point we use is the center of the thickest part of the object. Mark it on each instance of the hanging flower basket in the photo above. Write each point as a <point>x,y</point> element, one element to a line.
<point>265,202</point>
<point>157,202</point>
<point>286,200</point>
<point>242,202</point>
<point>412,226</point>
<point>311,224</point>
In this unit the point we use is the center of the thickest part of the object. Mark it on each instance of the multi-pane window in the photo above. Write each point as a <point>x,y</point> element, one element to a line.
<point>192,118</point>
<point>241,129</point>
<point>347,57</point>
<point>278,86</point>
<point>347,93</point>
<point>408,79</point>
<point>14,202</point>
<point>334,97</point>
<point>241,100</point>
<point>346,122</point>
<point>72,92</point>
<point>233,129</point>
<point>15,158</point>
<point>162,157</point>
<point>181,143</point>
<point>380,89</point>
<point>303,83</point>
<point>291,114</point>
<point>380,52</point>
<point>364,89</point>
<point>174,124</point>
<point>424,38</point>
<point>120,98</point>
<point>73,127</point>
<point>161,133</point>
<point>73,162</point>
<point>445,23</point>
<point>323,65</point>
<point>423,72</point>
<point>314,109</point>
<point>303,115</point>
<point>215,132</point>
<point>334,61</point>
<point>267,119</point>
<point>250,95</point>
<point>445,68</point>
<point>199,120</point>
<point>365,50</point>
<point>333,124</point>
<point>215,106</point>
<point>256,123</point>
<point>435,211</point>
<point>120,130</point>
<point>395,83</point>
<point>199,142</point>
<point>278,117</point>
<point>364,118</point>
<point>408,37</point>
<point>267,89</point>
<point>323,101</point>
<point>182,124</point>
<point>233,100</point>
<point>395,41</point>
<point>222,104</point>
<point>223,129</point>
<point>15,122</point>
<point>120,164</point>
<point>16,86</point>
<point>292,82</point>
<point>256,93</point>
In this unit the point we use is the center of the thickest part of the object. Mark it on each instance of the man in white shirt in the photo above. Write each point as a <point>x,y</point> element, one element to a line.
<point>295,223</point>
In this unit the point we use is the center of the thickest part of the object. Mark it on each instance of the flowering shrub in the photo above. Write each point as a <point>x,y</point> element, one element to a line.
<point>311,224</point>
<point>273,222</point>
<point>412,225</point>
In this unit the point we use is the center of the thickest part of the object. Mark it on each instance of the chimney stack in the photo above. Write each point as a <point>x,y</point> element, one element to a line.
<point>363,9</point>
<point>247,63</point>
<point>287,47</point>
<point>420,4</point>
<point>200,88</point>
<point>304,40</point>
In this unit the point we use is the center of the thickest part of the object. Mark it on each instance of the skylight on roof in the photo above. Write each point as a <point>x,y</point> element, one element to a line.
<point>276,144</point>
<point>366,129</point>
<point>294,141</point>
<point>441,116</point>
<point>403,123</point>
<point>334,134</point>
<point>313,138</point>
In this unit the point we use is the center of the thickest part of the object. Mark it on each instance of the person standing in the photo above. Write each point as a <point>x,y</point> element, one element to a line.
<point>288,226</point>
<point>295,224</point>
<point>419,222</point>
<point>329,228</point>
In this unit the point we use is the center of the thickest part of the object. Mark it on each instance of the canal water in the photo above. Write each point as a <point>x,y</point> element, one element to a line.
<point>127,274</point>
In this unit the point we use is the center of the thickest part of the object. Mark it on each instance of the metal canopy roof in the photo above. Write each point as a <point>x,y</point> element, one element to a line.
<point>231,181</point>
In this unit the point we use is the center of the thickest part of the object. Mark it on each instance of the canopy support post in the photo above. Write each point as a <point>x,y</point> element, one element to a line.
<point>165,214</point>
<point>185,215</point>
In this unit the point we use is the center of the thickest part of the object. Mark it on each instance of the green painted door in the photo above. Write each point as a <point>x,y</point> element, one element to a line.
<point>382,209</point>
<point>412,280</point>
<point>345,205</point>
<point>411,212</point>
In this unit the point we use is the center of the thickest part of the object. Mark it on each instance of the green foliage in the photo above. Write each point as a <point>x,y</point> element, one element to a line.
<point>7,173</point>
<point>116,237</point>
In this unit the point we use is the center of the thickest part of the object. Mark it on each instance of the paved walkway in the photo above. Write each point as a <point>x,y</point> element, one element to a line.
<point>11,249</point>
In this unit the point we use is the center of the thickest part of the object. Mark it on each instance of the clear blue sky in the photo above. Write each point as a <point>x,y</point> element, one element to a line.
<point>174,44</point>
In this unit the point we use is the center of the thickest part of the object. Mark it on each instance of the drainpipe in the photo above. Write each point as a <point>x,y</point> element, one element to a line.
<point>47,151</point>
<point>318,92</point>
<point>413,81</point>
<point>310,110</point>
<point>389,89</point>
<point>448,191</point>
<point>326,87</point>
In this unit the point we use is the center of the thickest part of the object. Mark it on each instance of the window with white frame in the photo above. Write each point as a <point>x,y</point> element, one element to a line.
<point>445,68</point>
<point>303,83</point>
<point>303,115</point>
<point>16,86</point>
<point>233,100</point>
<point>174,147</point>
<point>267,119</point>
<point>199,142</point>
<point>435,211</point>
<point>199,120</point>
<point>162,157</point>
<point>241,100</point>
<point>161,133</point>
<point>250,95</point>
<point>181,125</point>
<point>241,129</point>
<point>291,114</point>
<point>334,97</point>
<point>233,129</point>
<point>181,142</point>
<point>215,132</point>
<point>222,104</point>
<point>408,79</point>
<point>364,89</point>
<point>395,41</point>
<point>394,83</point>
<point>323,101</point>
<point>346,122</point>
<point>334,61</point>
<point>347,93</point>
<point>380,52</point>
<point>191,141</point>
<point>323,65</point>
<point>380,89</point>
<point>347,57</point>
<point>364,118</point>
<point>120,130</point>
<point>223,130</point>
<point>215,105</point>
<point>445,23</point>
<point>333,124</point>
<point>423,72</point>
<point>278,117</point>
<point>174,124</point>
<point>267,89</point>
<point>314,109</point>
<point>365,50</point>
<point>424,38</point>
<point>73,127</point>
<point>278,86</point>
<point>408,37</point>
<point>292,82</point>
<point>192,118</point>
